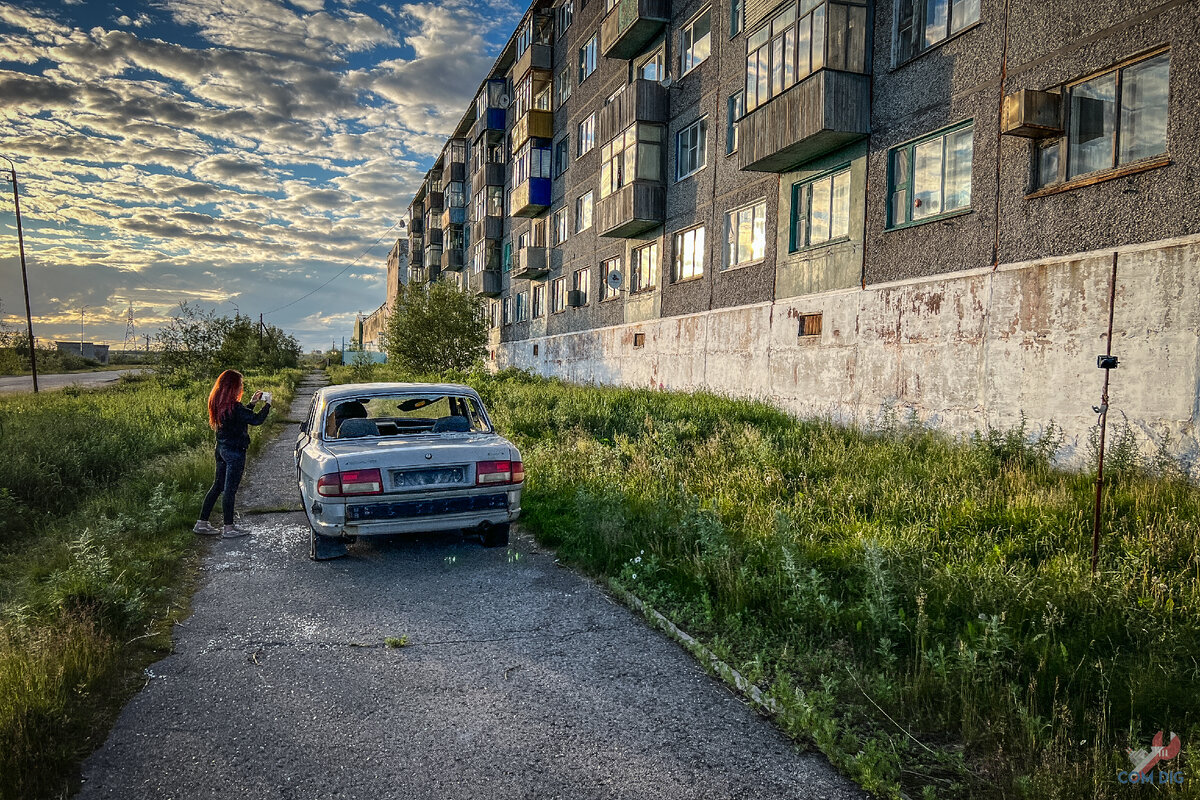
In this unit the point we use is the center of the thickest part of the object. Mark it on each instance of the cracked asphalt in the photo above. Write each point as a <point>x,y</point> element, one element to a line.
<point>519,679</point>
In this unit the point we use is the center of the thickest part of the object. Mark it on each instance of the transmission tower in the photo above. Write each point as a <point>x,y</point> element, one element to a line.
<point>130,330</point>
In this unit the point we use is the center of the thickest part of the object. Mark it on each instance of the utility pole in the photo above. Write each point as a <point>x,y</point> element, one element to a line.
<point>260,330</point>
<point>82,311</point>
<point>146,336</point>
<point>24,273</point>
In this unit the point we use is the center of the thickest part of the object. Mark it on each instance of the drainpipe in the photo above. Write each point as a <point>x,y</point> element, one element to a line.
<point>1000,136</point>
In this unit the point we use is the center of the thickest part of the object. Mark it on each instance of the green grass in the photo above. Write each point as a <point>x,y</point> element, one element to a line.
<point>100,488</point>
<point>922,608</point>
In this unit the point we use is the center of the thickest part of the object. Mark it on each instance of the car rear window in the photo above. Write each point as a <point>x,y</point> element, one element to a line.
<point>402,415</point>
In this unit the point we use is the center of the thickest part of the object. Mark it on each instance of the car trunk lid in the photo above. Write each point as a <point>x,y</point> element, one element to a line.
<point>420,463</point>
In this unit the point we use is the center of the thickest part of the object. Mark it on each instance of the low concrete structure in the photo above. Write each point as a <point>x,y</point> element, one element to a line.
<point>88,350</point>
<point>963,351</point>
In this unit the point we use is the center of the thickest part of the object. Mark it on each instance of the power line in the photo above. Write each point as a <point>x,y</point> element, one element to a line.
<point>340,274</point>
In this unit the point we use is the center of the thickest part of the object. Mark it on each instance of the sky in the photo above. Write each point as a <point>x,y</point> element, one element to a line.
<point>234,154</point>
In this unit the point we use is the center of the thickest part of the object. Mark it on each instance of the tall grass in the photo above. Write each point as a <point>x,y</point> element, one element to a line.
<point>923,608</point>
<point>98,489</point>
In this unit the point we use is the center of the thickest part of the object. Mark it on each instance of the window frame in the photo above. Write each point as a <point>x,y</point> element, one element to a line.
<point>918,23</point>
<point>590,139</point>
<point>701,149</point>
<point>727,262</point>
<point>807,185</point>
<point>606,267</point>
<point>737,17</point>
<point>677,256</point>
<point>910,146</point>
<point>589,55</point>
<point>683,51</point>
<point>560,215</point>
<point>581,280</point>
<point>558,295</point>
<point>735,109</point>
<point>580,216</point>
<point>635,269</point>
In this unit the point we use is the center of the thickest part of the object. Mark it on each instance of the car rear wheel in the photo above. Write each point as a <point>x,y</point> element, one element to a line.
<point>495,535</point>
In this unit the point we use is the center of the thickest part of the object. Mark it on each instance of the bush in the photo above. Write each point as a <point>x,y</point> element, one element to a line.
<point>434,328</point>
<point>199,344</point>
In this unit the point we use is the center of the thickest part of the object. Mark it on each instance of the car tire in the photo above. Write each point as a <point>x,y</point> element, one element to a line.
<point>495,535</point>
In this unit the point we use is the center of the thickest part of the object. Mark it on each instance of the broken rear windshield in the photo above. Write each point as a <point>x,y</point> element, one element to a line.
<point>403,414</point>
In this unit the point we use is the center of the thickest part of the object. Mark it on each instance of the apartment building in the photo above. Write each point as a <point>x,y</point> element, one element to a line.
<point>842,206</point>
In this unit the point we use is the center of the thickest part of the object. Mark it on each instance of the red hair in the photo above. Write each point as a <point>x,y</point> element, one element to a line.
<point>225,394</point>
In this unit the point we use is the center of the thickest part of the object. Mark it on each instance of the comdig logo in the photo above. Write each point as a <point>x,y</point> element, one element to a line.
<point>1145,761</point>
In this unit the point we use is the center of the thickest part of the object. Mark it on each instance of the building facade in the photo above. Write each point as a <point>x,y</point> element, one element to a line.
<point>842,206</point>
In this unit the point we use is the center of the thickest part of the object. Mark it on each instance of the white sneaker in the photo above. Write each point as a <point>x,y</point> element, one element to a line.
<point>233,532</point>
<point>204,528</point>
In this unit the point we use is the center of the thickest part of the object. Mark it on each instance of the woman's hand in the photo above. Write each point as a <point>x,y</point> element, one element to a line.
<point>255,398</point>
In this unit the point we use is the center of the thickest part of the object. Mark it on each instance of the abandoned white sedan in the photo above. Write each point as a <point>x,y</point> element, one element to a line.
<point>387,458</point>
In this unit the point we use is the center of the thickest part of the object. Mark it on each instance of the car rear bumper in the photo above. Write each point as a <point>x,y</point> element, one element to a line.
<point>393,514</point>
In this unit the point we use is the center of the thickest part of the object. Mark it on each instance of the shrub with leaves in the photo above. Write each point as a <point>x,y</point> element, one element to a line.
<point>434,328</point>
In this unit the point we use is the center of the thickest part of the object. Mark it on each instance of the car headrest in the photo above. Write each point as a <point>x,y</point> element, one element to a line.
<point>351,409</point>
<point>354,428</point>
<point>452,425</point>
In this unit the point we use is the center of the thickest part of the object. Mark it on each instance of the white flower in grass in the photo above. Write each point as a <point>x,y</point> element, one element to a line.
<point>637,560</point>
<point>634,576</point>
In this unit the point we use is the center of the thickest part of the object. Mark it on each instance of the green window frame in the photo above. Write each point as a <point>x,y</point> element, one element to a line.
<point>821,192</point>
<point>930,178</point>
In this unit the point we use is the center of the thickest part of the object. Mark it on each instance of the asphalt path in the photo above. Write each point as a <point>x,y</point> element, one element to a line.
<point>519,679</point>
<point>12,384</point>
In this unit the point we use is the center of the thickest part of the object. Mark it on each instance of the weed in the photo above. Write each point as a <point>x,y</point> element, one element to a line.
<point>394,642</point>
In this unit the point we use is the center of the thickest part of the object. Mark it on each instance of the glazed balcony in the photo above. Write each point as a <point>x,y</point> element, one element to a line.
<point>456,171</point>
<point>535,124</point>
<point>487,283</point>
<point>434,202</point>
<point>433,257</point>
<point>492,174</point>
<point>531,198</point>
<point>531,263</point>
<point>632,210</point>
<point>537,56</point>
<point>453,215</point>
<point>433,238</point>
<point>487,228</point>
<point>492,119</point>
<point>416,226</point>
<point>824,112</point>
<point>640,101</point>
<point>416,259</point>
<point>452,260</point>
<point>631,25</point>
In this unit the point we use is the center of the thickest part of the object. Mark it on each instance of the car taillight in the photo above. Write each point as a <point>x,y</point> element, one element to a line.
<point>518,472</point>
<point>493,472</point>
<point>356,481</point>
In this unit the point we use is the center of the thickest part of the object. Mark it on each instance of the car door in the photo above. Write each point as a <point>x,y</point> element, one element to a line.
<point>313,459</point>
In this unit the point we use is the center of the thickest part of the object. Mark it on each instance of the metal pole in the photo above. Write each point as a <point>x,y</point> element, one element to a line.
<point>1103,408</point>
<point>24,273</point>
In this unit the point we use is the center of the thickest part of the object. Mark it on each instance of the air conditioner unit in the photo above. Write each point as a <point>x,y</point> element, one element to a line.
<point>1032,114</point>
<point>576,298</point>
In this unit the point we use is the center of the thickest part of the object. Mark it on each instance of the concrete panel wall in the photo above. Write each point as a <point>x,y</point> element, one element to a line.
<point>962,351</point>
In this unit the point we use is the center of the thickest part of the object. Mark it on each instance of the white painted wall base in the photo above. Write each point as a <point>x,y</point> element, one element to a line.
<point>963,351</point>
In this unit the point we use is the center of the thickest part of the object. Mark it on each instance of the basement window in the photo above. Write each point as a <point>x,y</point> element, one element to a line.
<point>535,349</point>
<point>639,340</point>
<point>810,325</point>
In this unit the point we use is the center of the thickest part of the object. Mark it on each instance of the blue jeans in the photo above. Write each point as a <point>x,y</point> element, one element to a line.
<point>230,466</point>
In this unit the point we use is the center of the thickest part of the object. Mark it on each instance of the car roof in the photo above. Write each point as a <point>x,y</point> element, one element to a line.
<point>347,390</point>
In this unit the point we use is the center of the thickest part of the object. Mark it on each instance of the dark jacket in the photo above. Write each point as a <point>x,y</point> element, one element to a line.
<point>233,432</point>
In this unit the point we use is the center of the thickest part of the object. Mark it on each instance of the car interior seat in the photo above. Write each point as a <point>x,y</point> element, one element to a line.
<point>355,428</point>
<point>452,425</point>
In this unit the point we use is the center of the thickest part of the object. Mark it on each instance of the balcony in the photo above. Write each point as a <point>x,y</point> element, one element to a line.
<point>434,202</point>
<point>632,210</point>
<point>433,257</point>
<point>825,111</point>
<point>456,171</point>
<point>453,215</point>
<point>416,258</point>
<point>490,175</point>
<point>534,123</point>
<point>487,228</point>
<point>631,25</point>
<point>491,120</point>
<point>640,101</point>
<point>531,198</point>
<point>452,260</point>
<point>532,263</point>
<point>416,226</point>
<point>486,283</point>
<point>433,238</point>
<point>536,57</point>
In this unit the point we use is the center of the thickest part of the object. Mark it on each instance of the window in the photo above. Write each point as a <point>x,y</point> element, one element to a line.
<point>532,92</point>
<point>456,194</point>
<point>792,45</point>
<point>691,145</point>
<point>583,211</point>
<point>821,210</point>
<point>559,221</point>
<point>1113,119</point>
<point>521,307</point>
<point>579,283</point>
<point>609,5</point>
<point>495,201</point>
<point>566,14</point>
<point>931,176</point>
<point>689,254</point>
<point>587,57</point>
<point>609,266</point>
<point>734,113</point>
<point>558,295</point>
<point>652,67</point>
<point>506,314</point>
<point>539,301</point>
<point>634,155</point>
<point>587,134</point>
<point>506,258</point>
<point>531,162</point>
<point>736,15</point>
<point>921,24</point>
<point>493,314</point>
<point>639,340</point>
<point>562,156</point>
<point>644,268</point>
<point>524,36</point>
<point>746,234</point>
<point>538,230</point>
<point>695,40</point>
<point>564,85</point>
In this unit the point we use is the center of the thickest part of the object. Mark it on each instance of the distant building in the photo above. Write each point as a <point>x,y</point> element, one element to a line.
<point>846,207</point>
<point>88,350</point>
<point>372,327</point>
<point>397,270</point>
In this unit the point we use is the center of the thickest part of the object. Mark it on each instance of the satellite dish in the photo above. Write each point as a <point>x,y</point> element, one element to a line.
<point>504,100</point>
<point>614,279</point>
<point>666,82</point>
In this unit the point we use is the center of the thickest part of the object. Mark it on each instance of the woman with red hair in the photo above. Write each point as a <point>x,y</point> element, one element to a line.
<point>230,419</point>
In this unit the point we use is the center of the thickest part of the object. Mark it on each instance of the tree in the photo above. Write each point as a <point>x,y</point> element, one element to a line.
<point>199,344</point>
<point>435,327</point>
